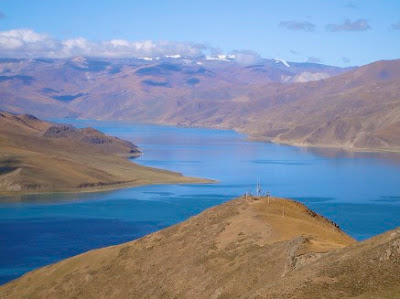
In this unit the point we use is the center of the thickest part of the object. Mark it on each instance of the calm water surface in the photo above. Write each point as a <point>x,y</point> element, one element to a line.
<point>361,192</point>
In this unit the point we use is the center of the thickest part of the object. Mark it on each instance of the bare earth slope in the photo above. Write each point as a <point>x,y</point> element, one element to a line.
<point>41,156</point>
<point>245,248</point>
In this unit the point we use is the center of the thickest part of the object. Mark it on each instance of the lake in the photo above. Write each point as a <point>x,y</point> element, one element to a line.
<point>359,191</point>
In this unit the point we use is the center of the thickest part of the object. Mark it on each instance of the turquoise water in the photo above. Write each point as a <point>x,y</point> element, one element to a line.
<point>361,192</point>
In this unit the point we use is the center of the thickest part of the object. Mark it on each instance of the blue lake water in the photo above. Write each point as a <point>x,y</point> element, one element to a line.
<point>360,192</point>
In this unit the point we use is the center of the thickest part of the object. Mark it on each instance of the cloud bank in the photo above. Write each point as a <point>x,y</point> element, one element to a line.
<point>297,26</point>
<point>26,43</point>
<point>246,56</point>
<point>348,25</point>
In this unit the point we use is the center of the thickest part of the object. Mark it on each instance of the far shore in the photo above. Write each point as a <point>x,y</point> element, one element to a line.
<point>323,146</point>
<point>110,187</point>
<point>252,138</point>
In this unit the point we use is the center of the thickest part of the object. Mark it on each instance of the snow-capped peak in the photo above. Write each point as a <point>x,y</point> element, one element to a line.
<point>221,57</point>
<point>173,56</point>
<point>80,61</point>
<point>284,62</point>
<point>217,57</point>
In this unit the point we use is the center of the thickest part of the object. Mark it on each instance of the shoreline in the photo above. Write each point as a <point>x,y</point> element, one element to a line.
<point>111,187</point>
<point>248,136</point>
<point>321,146</point>
<point>71,166</point>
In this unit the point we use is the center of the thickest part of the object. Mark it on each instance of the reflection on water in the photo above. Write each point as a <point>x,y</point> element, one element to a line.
<point>359,191</point>
<point>340,153</point>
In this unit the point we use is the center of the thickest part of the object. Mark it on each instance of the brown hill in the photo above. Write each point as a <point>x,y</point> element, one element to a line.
<point>246,248</point>
<point>40,156</point>
<point>357,110</point>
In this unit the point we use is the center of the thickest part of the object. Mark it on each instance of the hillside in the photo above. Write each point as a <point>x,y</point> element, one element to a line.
<point>356,110</point>
<point>244,248</point>
<point>303,104</point>
<point>40,156</point>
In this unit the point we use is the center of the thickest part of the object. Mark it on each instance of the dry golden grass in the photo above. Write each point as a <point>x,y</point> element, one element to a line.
<point>245,248</point>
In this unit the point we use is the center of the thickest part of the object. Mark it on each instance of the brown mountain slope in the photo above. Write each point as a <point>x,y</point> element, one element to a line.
<point>359,109</point>
<point>369,269</point>
<point>243,248</point>
<point>246,248</point>
<point>354,109</point>
<point>125,88</point>
<point>41,156</point>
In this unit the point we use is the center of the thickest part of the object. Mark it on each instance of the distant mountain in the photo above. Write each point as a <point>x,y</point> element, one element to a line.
<point>273,100</point>
<point>358,109</point>
<point>245,248</point>
<point>119,88</point>
<point>40,156</point>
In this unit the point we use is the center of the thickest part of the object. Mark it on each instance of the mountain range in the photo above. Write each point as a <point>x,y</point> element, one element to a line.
<point>303,104</point>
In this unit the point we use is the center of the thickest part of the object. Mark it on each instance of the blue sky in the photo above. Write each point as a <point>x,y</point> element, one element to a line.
<point>328,31</point>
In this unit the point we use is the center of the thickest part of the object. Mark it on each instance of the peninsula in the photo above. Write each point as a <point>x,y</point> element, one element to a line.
<point>39,156</point>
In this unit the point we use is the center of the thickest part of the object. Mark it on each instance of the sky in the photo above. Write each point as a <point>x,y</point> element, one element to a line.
<point>335,32</point>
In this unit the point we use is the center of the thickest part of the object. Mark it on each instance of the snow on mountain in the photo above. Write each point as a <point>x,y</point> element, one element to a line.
<point>284,62</point>
<point>176,56</point>
<point>222,57</point>
<point>146,58</point>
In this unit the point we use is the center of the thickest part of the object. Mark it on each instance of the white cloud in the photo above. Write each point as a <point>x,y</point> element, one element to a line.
<point>119,43</point>
<point>246,57</point>
<point>26,43</point>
